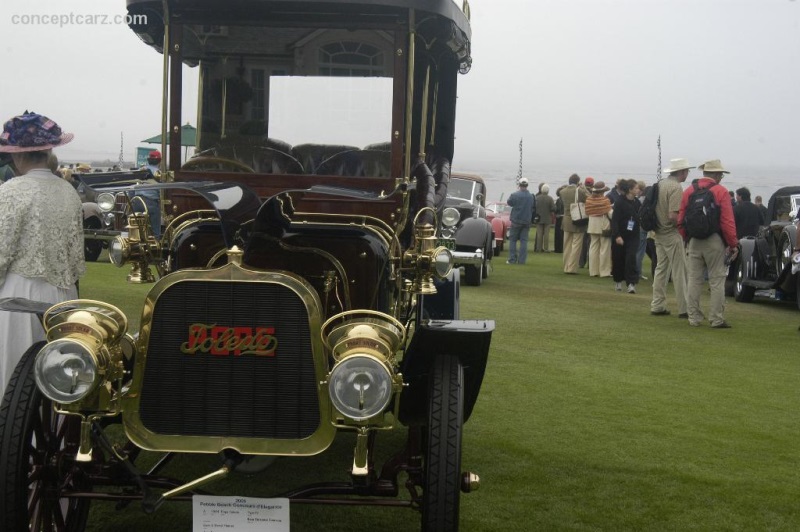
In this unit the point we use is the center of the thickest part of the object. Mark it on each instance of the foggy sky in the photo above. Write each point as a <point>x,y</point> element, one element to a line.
<point>589,82</point>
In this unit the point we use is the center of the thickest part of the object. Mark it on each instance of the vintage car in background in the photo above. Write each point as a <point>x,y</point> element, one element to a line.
<point>764,264</point>
<point>465,229</point>
<point>499,215</point>
<point>294,284</point>
<point>104,215</point>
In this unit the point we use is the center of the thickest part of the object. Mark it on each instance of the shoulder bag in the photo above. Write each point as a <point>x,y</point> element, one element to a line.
<point>577,211</point>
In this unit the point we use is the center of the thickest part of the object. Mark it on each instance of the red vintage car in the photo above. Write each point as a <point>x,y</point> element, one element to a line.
<point>499,214</point>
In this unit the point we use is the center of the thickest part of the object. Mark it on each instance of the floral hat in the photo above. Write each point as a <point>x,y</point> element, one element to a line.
<point>31,132</point>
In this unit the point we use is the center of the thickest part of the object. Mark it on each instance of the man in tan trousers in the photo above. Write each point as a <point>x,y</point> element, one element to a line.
<point>709,253</point>
<point>670,251</point>
<point>573,234</point>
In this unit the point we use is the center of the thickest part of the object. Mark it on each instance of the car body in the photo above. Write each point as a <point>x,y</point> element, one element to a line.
<point>764,264</point>
<point>472,236</point>
<point>301,291</point>
<point>499,214</point>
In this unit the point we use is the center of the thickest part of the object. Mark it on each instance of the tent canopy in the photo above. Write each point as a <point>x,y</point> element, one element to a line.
<point>188,136</point>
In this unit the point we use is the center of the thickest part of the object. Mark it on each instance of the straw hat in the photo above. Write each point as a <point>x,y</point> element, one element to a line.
<point>714,165</point>
<point>31,132</point>
<point>676,165</point>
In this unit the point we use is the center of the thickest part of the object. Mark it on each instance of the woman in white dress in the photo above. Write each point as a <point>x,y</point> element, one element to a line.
<point>41,234</point>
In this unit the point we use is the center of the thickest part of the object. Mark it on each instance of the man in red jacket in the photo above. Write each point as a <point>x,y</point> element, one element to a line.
<point>711,252</point>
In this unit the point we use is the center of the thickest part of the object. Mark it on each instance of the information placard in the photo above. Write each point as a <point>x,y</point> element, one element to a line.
<point>239,514</point>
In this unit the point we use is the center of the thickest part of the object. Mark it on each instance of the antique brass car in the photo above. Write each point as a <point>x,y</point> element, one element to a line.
<point>300,288</point>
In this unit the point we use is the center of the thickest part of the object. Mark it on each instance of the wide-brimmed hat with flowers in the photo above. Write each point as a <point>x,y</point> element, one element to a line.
<point>31,132</point>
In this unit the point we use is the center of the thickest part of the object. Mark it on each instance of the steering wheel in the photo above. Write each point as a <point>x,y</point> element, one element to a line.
<point>220,164</point>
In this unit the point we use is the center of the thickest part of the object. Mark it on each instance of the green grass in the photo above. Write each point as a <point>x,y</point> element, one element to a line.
<point>594,415</point>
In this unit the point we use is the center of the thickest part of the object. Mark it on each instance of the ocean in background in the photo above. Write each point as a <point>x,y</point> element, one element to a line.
<point>501,179</point>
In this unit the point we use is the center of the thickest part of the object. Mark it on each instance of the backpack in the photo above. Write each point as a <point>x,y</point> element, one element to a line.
<point>701,218</point>
<point>647,212</point>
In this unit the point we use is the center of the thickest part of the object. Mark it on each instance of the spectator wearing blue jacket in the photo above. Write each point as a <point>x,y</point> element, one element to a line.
<point>523,209</point>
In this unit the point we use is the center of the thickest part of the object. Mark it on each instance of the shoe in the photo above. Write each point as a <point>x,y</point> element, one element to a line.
<point>694,323</point>
<point>683,315</point>
<point>631,289</point>
<point>618,287</point>
<point>722,325</point>
<point>662,312</point>
<point>642,277</point>
<point>511,262</point>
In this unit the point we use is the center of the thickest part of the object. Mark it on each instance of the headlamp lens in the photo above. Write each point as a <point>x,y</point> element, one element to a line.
<point>65,371</point>
<point>450,217</point>
<point>360,387</point>
<point>105,200</point>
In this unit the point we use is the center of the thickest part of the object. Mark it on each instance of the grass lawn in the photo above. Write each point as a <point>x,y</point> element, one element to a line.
<point>594,415</point>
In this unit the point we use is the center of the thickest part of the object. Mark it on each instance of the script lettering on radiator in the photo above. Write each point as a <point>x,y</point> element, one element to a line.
<point>220,340</point>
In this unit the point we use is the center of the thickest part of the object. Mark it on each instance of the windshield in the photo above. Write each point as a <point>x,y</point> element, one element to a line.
<point>461,189</point>
<point>304,101</point>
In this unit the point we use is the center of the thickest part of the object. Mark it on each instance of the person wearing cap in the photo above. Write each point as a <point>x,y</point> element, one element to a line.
<point>523,208</point>
<point>709,253</point>
<point>573,234</point>
<point>598,209</point>
<point>152,198</point>
<point>670,250</point>
<point>545,211</point>
<point>41,233</point>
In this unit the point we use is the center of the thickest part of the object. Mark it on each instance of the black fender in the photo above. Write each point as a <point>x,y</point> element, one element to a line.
<point>475,233</point>
<point>443,305</point>
<point>468,340</point>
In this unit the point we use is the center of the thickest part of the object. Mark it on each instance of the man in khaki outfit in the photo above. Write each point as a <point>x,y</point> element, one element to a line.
<point>670,251</point>
<point>573,234</point>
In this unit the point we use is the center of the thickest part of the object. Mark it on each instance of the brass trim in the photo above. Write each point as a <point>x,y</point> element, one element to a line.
<point>381,228</point>
<point>412,32</point>
<point>165,86</point>
<point>146,439</point>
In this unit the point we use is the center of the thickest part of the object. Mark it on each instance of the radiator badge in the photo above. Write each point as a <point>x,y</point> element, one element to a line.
<point>225,341</point>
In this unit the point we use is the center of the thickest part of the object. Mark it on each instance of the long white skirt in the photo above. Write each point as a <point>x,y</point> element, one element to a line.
<point>19,330</point>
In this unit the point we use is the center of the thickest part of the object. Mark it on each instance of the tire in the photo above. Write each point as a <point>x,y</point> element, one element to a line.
<point>473,275</point>
<point>91,248</point>
<point>741,292</point>
<point>441,492</point>
<point>36,450</point>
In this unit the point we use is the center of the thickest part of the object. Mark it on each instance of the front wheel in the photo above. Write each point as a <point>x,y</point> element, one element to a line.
<point>37,447</point>
<point>440,505</point>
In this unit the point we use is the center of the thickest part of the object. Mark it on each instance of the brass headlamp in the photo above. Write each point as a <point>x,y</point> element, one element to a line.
<point>428,260</point>
<point>81,366</point>
<point>138,248</point>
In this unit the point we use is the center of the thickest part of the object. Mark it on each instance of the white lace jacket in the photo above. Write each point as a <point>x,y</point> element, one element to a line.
<point>41,229</point>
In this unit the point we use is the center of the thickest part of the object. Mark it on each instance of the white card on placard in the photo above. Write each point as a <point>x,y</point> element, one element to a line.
<point>239,514</point>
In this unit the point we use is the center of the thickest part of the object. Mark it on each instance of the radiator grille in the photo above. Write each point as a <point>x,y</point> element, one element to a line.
<point>253,396</point>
